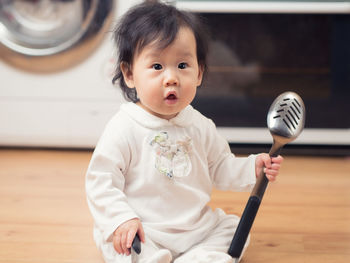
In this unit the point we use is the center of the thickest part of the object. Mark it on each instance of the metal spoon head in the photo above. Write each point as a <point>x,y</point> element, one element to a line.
<point>286,117</point>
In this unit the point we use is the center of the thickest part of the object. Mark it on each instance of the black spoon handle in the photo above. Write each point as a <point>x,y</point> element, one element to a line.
<point>250,211</point>
<point>136,244</point>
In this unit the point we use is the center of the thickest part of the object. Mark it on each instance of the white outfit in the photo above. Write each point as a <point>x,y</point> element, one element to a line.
<point>163,172</point>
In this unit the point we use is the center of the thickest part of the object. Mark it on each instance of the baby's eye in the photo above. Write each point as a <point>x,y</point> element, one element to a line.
<point>182,65</point>
<point>157,66</point>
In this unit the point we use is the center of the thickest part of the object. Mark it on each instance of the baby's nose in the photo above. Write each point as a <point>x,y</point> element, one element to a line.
<point>170,78</point>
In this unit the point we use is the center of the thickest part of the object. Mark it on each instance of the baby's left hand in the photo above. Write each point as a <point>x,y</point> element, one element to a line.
<point>270,166</point>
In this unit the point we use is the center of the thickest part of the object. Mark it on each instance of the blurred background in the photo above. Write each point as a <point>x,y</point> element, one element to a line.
<point>57,62</point>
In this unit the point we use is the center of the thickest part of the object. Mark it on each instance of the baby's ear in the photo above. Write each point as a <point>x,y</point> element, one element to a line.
<point>200,74</point>
<point>127,74</point>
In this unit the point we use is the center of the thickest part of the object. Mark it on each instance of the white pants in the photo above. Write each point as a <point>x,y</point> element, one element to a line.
<point>212,249</point>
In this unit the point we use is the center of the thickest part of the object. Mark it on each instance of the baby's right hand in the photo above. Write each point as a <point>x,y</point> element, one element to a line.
<point>125,234</point>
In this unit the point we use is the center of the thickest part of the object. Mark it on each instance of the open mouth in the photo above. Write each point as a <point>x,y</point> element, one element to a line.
<point>171,97</point>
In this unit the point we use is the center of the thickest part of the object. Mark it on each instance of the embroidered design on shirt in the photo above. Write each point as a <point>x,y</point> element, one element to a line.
<point>172,159</point>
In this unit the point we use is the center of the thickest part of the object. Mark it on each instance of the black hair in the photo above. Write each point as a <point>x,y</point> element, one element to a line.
<point>147,22</point>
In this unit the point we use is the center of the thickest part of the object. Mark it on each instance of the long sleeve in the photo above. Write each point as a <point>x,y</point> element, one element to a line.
<point>105,183</point>
<point>228,172</point>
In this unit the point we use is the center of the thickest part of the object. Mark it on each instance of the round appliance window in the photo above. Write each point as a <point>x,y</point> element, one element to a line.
<point>37,29</point>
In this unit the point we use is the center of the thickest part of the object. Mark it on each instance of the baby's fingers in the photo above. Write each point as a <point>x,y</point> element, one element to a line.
<point>117,244</point>
<point>124,244</point>
<point>278,159</point>
<point>272,172</point>
<point>275,167</point>
<point>130,238</point>
<point>271,177</point>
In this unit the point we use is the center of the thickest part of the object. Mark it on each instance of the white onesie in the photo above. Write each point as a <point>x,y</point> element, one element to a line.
<point>162,172</point>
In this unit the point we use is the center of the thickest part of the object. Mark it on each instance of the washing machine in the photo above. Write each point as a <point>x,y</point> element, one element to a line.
<point>56,66</point>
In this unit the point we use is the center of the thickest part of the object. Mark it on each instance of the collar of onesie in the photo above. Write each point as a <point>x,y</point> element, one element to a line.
<point>183,119</point>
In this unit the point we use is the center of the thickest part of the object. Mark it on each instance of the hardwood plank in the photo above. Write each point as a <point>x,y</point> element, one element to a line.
<point>304,217</point>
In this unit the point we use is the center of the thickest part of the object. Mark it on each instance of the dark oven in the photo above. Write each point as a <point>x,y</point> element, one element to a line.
<point>260,49</point>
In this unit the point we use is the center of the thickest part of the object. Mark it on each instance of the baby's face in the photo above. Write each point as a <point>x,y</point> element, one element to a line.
<point>166,80</point>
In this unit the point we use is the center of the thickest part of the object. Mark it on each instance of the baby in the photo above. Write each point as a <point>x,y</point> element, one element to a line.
<point>156,163</point>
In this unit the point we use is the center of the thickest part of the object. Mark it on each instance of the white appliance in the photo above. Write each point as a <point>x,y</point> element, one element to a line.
<point>59,93</point>
<point>56,68</point>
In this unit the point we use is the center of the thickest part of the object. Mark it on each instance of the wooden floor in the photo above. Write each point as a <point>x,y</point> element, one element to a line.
<point>304,217</point>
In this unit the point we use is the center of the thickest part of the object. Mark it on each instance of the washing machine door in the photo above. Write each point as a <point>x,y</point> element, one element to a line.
<point>41,35</point>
